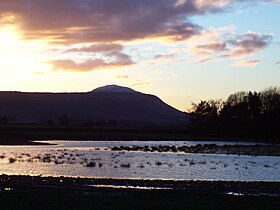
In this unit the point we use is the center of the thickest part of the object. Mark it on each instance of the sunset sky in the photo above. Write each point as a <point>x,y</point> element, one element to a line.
<point>180,50</point>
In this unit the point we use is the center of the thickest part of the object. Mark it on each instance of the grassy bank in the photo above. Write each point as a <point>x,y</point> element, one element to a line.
<point>23,135</point>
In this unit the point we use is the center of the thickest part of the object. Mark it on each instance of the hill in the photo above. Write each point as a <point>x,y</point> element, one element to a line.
<point>110,103</point>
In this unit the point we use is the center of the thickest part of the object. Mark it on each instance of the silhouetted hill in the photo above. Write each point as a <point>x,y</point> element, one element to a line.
<point>102,104</point>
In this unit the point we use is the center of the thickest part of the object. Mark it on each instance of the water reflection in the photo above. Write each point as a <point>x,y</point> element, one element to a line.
<point>94,159</point>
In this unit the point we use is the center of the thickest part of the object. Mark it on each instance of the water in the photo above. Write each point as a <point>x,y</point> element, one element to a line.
<point>95,159</point>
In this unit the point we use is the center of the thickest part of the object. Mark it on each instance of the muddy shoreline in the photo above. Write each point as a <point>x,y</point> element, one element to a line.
<point>36,192</point>
<point>240,188</point>
<point>256,150</point>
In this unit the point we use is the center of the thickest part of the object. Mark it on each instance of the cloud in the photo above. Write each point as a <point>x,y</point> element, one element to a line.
<point>212,4</point>
<point>77,21</point>
<point>215,5</point>
<point>80,21</point>
<point>248,44</point>
<point>70,65</point>
<point>97,48</point>
<point>247,63</point>
<point>214,43</point>
<point>140,83</point>
<point>182,31</point>
<point>109,22</point>
<point>213,47</point>
<point>209,43</point>
<point>169,58</point>
<point>121,60</point>
<point>89,21</point>
<point>205,51</point>
<point>95,56</point>
<point>277,63</point>
<point>122,76</point>
<point>165,56</point>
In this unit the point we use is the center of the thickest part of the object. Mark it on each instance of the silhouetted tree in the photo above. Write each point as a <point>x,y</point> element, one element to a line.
<point>254,104</point>
<point>235,107</point>
<point>206,112</point>
<point>247,113</point>
<point>236,98</point>
<point>270,100</point>
<point>271,112</point>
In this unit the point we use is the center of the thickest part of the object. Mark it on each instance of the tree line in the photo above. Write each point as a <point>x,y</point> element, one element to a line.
<point>252,114</point>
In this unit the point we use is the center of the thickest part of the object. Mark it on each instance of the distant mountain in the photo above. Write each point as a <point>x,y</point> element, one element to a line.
<point>113,89</point>
<point>108,103</point>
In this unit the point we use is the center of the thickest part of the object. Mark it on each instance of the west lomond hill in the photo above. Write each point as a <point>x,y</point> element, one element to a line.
<point>110,103</point>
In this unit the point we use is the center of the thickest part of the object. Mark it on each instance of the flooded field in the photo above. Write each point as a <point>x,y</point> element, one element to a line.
<point>97,159</point>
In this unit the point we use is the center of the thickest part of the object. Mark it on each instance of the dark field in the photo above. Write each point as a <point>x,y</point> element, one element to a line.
<point>119,199</point>
<point>21,192</point>
<point>25,134</point>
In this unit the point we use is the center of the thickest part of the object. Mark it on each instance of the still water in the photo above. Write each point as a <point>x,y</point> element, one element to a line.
<point>95,159</point>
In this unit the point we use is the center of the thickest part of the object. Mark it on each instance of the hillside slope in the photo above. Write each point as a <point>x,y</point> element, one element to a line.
<point>105,103</point>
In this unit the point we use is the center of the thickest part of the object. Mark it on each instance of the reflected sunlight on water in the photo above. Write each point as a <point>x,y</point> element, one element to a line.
<point>95,159</point>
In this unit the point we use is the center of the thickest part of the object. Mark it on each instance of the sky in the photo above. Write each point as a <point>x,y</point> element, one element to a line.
<point>183,51</point>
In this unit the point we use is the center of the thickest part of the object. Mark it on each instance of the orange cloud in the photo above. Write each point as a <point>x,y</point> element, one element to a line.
<point>98,48</point>
<point>140,83</point>
<point>89,65</point>
<point>248,63</point>
<point>106,56</point>
<point>214,47</point>
<point>122,76</point>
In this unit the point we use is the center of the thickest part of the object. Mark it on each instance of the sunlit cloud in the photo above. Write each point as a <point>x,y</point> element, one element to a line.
<point>247,63</point>
<point>248,44</point>
<point>139,83</point>
<point>164,56</point>
<point>213,47</point>
<point>72,21</point>
<point>97,48</point>
<point>216,43</point>
<point>207,4</point>
<point>96,31</point>
<point>209,43</point>
<point>164,59</point>
<point>90,64</point>
<point>205,51</point>
<point>122,76</point>
<point>216,5</point>
<point>92,57</point>
<point>39,73</point>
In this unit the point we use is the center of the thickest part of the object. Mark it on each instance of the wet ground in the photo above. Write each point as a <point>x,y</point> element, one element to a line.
<point>25,192</point>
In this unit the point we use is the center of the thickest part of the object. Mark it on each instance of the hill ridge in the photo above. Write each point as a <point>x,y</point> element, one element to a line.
<point>117,103</point>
